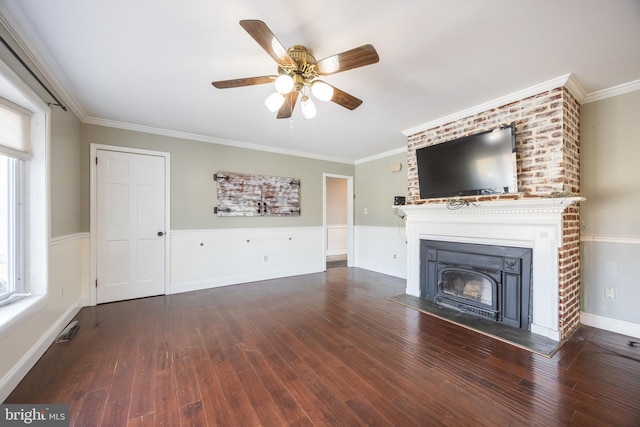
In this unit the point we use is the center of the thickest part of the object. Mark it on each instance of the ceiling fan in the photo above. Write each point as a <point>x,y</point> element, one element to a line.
<point>299,73</point>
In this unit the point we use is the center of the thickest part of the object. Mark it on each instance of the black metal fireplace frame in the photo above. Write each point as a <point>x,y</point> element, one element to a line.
<point>465,304</point>
<point>508,267</point>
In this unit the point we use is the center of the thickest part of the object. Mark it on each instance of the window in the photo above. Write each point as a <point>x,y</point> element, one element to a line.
<point>14,155</point>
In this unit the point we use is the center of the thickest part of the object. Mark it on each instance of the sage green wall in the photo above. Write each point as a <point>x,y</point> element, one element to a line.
<point>609,180</point>
<point>65,198</point>
<point>193,163</point>
<point>65,173</point>
<point>64,147</point>
<point>610,175</point>
<point>375,187</point>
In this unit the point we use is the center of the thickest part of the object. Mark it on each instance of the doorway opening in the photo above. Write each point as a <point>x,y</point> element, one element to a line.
<point>338,221</point>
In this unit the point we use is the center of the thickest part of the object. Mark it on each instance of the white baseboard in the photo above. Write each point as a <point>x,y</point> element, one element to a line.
<point>22,368</point>
<point>217,282</point>
<point>609,324</point>
<point>340,251</point>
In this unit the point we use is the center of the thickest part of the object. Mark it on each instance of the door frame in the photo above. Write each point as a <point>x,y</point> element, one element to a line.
<point>93,250</point>
<point>350,238</point>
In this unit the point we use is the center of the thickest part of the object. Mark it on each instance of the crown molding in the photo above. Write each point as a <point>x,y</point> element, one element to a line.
<point>612,91</point>
<point>44,69</point>
<point>210,139</point>
<point>573,85</point>
<point>393,152</point>
<point>498,102</point>
<point>567,80</point>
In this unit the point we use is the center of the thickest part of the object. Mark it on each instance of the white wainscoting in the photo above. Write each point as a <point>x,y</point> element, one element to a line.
<point>202,259</point>
<point>30,333</point>
<point>614,267</point>
<point>337,239</point>
<point>381,249</point>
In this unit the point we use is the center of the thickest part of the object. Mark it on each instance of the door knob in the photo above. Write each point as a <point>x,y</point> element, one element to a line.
<point>160,233</point>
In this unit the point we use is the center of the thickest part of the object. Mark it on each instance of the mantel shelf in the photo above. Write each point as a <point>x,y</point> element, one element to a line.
<point>529,205</point>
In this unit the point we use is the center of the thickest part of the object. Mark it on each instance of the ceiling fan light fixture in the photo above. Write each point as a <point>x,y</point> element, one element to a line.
<point>274,101</point>
<point>322,90</point>
<point>308,107</point>
<point>284,83</point>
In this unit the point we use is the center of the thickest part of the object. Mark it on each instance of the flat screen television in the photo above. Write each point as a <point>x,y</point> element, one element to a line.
<point>479,164</point>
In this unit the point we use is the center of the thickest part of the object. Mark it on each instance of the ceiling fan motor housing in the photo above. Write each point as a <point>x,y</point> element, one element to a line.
<point>305,67</point>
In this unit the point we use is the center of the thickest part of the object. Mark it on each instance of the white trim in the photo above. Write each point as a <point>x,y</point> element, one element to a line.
<point>43,66</point>
<point>575,88</point>
<point>20,93</point>
<point>494,103</point>
<point>37,189</point>
<point>51,75</point>
<point>93,274</point>
<point>69,238</point>
<point>612,91</point>
<point>235,231</point>
<point>393,152</point>
<point>627,240</point>
<point>21,369</point>
<point>609,324</point>
<point>350,236</point>
<point>210,139</point>
<point>527,223</point>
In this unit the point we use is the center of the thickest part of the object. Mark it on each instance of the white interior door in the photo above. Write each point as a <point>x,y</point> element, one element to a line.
<point>130,209</point>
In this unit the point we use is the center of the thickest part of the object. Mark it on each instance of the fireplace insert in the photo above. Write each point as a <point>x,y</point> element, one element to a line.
<point>493,282</point>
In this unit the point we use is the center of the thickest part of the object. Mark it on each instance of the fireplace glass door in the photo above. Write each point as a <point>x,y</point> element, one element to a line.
<point>468,285</point>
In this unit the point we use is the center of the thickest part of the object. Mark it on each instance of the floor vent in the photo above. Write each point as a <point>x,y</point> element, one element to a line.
<point>69,332</point>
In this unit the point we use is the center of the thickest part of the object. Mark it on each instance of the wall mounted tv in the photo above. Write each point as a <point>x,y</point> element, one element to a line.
<point>479,164</point>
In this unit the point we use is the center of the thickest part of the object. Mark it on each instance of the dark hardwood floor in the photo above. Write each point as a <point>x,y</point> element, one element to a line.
<point>321,349</point>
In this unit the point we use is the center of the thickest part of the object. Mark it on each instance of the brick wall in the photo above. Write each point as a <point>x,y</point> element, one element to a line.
<point>569,253</point>
<point>548,162</point>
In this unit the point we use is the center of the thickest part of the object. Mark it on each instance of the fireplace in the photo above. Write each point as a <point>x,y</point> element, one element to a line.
<point>532,223</point>
<point>489,281</point>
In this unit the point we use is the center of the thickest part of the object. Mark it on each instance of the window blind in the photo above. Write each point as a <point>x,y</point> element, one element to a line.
<point>14,130</point>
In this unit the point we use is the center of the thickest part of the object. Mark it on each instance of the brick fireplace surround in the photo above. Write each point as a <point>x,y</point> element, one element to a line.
<point>548,164</point>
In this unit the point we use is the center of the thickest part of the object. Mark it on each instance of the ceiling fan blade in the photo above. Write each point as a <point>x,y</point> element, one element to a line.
<point>354,58</point>
<point>265,38</point>
<point>343,98</point>
<point>289,104</point>
<point>248,81</point>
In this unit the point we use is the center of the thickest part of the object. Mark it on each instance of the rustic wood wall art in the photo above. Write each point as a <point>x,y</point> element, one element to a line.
<point>257,195</point>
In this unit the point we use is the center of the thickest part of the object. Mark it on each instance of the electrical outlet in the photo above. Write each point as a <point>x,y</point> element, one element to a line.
<point>366,211</point>
<point>266,258</point>
<point>609,292</point>
<point>395,256</point>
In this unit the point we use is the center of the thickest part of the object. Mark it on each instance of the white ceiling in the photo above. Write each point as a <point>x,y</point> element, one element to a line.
<point>149,64</point>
